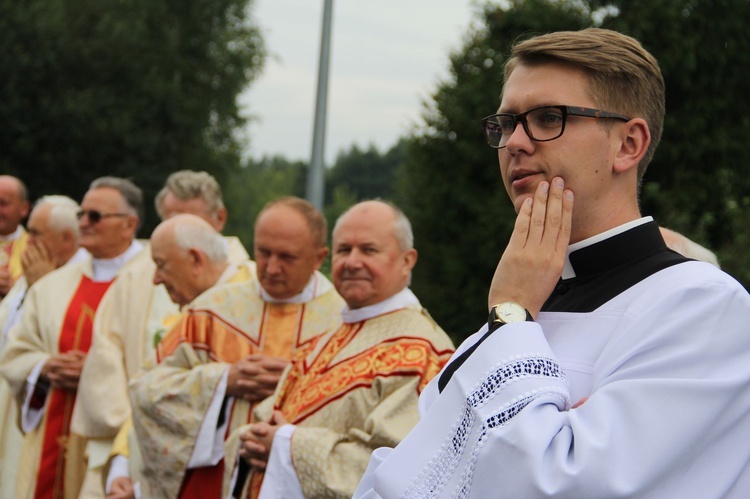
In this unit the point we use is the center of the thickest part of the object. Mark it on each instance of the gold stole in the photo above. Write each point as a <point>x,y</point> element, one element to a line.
<point>75,334</point>
<point>278,335</point>
<point>310,386</point>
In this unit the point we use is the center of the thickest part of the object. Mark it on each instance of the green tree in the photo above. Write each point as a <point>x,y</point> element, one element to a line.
<point>249,188</point>
<point>362,174</point>
<point>136,89</point>
<point>699,181</point>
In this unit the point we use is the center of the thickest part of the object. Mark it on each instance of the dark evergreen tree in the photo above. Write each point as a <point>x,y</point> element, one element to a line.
<point>135,89</point>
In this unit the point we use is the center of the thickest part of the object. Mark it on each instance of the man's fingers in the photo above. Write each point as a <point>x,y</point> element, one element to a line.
<point>553,215</point>
<point>538,214</point>
<point>258,464</point>
<point>253,448</point>
<point>566,222</point>
<point>521,228</point>
<point>274,364</point>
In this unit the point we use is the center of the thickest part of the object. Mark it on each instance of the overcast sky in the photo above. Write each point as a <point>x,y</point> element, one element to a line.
<point>386,57</point>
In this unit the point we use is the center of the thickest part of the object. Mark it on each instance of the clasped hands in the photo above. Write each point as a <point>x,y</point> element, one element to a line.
<point>63,370</point>
<point>533,261</point>
<point>255,377</point>
<point>257,439</point>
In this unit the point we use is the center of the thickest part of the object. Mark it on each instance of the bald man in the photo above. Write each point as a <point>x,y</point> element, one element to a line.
<point>190,258</point>
<point>359,387</point>
<point>14,206</point>
<point>228,352</point>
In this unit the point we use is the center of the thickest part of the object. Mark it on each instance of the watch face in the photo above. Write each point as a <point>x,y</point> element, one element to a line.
<point>509,312</point>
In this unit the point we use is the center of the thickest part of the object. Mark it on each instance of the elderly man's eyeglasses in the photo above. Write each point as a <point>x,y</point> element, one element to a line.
<point>96,216</point>
<point>541,124</point>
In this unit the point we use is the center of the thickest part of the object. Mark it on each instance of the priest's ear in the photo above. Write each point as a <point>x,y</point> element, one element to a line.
<point>634,139</point>
<point>132,223</point>
<point>197,258</point>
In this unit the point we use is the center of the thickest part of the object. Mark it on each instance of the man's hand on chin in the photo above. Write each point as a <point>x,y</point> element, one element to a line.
<point>533,260</point>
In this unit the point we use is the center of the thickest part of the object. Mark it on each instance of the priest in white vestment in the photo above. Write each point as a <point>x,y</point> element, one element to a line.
<point>52,243</point>
<point>46,349</point>
<point>610,366</point>
<point>14,206</point>
<point>227,353</point>
<point>132,318</point>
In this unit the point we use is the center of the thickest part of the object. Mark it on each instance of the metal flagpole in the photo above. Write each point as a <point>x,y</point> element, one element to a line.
<point>316,174</point>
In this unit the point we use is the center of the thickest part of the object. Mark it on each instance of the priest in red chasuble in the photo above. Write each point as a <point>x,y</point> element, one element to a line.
<point>46,350</point>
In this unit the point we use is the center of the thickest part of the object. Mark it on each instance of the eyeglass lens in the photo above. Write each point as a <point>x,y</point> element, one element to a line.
<point>94,216</point>
<point>544,123</point>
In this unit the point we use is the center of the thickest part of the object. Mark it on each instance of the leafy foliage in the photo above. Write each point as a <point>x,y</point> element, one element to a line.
<point>129,88</point>
<point>249,188</point>
<point>699,181</point>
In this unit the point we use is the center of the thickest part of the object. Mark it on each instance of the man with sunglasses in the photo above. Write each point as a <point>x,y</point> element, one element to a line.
<point>610,366</point>
<point>46,350</point>
<point>133,316</point>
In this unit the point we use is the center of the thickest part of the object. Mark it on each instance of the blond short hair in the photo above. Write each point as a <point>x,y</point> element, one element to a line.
<point>623,76</point>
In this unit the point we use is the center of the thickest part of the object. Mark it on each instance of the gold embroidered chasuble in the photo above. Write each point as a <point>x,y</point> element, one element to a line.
<point>221,327</point>
<point>356,391</point>
<point>60,305</point>
<point>120,445</point>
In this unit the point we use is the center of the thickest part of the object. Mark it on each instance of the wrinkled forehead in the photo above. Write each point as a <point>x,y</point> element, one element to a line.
<point>105,199</point>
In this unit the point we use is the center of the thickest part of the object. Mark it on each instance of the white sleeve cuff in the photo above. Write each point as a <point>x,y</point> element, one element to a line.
<point>209,446</point>
<point>280,479</point>
<point>120,466</point>
<point>367,483</point>
<point>30,418</point>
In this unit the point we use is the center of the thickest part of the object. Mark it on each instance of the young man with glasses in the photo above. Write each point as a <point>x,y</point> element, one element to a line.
<point>45,352</point>
<point>610,366</point>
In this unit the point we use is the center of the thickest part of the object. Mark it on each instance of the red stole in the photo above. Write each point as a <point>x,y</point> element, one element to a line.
<point>75,334</point>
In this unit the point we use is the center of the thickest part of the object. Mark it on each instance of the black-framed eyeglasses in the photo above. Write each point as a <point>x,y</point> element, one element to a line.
<point>96,216</point>
<point>541,124</point>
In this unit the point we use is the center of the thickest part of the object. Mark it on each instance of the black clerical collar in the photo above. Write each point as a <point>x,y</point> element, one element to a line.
<point>598,269</point>
<point>626,243</point>
<point>605,268</point>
